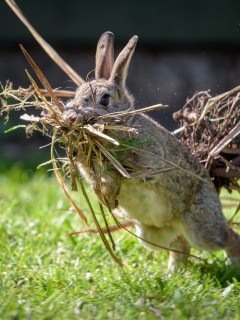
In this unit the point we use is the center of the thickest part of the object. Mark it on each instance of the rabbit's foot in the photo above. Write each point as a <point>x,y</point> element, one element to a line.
<point>178,260</point>
<point>233,247</point>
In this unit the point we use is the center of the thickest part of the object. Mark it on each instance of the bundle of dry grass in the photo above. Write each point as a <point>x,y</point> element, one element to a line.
<point>210,129</point>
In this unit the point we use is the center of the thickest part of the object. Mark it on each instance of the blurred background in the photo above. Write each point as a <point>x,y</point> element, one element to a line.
<point>184,47</point>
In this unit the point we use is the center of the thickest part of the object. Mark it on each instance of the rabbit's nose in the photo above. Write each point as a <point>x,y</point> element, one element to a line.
<point>71,120</point>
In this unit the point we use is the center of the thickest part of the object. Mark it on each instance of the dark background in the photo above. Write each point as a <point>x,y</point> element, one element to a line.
<point>184,46</point>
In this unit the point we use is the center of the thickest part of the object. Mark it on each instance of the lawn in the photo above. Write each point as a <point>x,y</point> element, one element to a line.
<point>46,275</point>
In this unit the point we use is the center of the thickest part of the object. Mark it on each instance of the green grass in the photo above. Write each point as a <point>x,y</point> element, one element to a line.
<point>46,275</point>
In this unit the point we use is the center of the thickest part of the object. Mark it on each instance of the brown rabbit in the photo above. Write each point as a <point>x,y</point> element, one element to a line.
<point>179,210</point>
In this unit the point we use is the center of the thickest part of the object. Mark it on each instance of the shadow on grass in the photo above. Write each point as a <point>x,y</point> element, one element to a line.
<point>220,270</point>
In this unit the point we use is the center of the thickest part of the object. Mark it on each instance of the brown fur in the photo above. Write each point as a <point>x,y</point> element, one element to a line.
<point>184,208</point>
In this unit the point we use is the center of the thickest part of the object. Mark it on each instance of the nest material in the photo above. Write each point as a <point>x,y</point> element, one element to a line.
<point>209,129</point>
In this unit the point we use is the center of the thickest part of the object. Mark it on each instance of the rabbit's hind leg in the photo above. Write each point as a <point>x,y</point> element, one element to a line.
<point>209,231</point>
<point>168,237</point>
<point>176,259</point>
<point>233,246</point>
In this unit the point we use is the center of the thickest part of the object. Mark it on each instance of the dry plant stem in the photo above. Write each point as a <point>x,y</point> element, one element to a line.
<point>150,172</point>
<point>113,228</point>
<point>50,51</point>
<point>224,173</point>
<point>94,101</point>
<point>94,216</point>
<point>125,114</point>
<point>231,150</point>
<point>39,93</point>
<point>42,79</point>
<point>156,245</point>
<point>69,154</point>
<point>210,103</point>
<point>229,164</point>
<point>89,128</point>
<point>44,92</point>
<point>230,221</point>
<point>117,165</point>
<point>107,227</point>
<point>66,160</point>
<point>130,129</point>
<point>229,205</point>
<point>222,144</point>
<point>169,162</point>
<point>236,225</point>
<point>58,93</point>
<point>61,182</point>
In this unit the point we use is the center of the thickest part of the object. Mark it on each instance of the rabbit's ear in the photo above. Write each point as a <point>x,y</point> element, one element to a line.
<point>104,56</point>
<point>120,68</point>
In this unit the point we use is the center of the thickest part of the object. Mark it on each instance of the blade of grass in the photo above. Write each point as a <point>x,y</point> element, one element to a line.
<point>116,164</point>
<point>15,127</point>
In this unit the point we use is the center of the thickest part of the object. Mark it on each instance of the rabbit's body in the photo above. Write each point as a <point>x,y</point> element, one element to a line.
<point>167,208</point>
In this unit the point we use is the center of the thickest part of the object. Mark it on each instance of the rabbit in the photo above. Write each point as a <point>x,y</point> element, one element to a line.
<point>172,209</point>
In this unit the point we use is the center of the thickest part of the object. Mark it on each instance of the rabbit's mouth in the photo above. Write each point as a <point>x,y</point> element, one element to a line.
<point>81,116</point>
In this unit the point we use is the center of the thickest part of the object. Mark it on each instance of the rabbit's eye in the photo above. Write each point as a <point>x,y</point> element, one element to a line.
<point>105,100</point>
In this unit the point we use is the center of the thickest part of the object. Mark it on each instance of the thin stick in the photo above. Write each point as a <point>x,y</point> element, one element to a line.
<point>94,101</point>
<point>126,113</point>
<point>113,228</point>
<point>230,221</point>
<point>107,227</point>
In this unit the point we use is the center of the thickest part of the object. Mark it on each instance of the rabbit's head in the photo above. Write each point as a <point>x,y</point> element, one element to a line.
<point>108,88</point>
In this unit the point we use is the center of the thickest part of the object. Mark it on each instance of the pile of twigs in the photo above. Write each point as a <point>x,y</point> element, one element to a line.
<point>210,129</point>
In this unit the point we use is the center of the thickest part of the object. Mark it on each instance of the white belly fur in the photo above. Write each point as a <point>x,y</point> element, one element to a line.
<point>140,202</point>
<point>154,220</point>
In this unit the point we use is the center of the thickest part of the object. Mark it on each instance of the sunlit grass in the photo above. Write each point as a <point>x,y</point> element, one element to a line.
<point>46,275</point>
